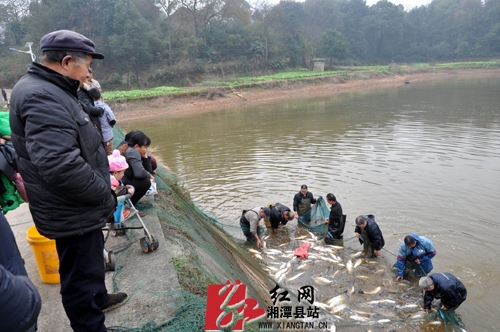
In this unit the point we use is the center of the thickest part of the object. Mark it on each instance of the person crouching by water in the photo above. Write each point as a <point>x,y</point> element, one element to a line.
<point>336,220</point>
<point>249,223</point>
<point>444,286</point>
<point>279,216</point>
<point>138,174</point>
<point>369,235</point>
<point>302,204</point>
<point>415,253</point>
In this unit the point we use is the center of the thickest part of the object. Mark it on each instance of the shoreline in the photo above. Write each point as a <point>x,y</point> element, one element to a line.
<point>195,104</point>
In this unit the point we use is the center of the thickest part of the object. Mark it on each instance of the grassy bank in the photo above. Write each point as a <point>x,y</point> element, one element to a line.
<point>343,73</point>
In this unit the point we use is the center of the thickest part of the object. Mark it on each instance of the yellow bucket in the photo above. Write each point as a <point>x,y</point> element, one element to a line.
<point>46,256</point>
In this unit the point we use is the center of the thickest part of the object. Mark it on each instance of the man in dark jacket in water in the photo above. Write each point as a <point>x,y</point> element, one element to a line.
<point>336,220</point>
<point>444,286</point>
<point>369,235</point>
<point>66,174</point>
<point>279,216</point>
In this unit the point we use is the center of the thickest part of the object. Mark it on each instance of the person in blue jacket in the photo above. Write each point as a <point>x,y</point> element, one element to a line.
<point>20,302</point>
<point>416,253</point>
<point>444,286</point>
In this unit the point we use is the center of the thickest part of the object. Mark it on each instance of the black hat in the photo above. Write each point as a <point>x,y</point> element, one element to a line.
<point>65,40</point>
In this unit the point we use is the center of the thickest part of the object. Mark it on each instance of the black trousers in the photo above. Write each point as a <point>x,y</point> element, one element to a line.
<point>83,290</point>
<point>141,187</point>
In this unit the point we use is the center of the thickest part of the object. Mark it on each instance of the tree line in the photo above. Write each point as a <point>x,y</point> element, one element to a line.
<point>165,39</point>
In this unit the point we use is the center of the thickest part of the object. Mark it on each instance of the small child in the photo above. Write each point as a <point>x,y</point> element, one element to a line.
<point>117,167</point>
<point>108,120</point>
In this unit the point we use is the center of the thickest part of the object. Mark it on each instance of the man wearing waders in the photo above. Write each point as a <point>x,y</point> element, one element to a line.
<point>444,286</point>
<point>369,235</point>
<point>336,220</point>
<point>249,223</point>
<point>415,253</point>
<point>279,216</point>
<point>302,204</point>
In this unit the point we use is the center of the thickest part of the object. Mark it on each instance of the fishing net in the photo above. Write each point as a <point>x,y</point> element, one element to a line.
<point>204,254</point>
<point>319,212</point>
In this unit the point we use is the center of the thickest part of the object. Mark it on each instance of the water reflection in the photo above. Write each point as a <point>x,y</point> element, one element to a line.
<point>423,158</point>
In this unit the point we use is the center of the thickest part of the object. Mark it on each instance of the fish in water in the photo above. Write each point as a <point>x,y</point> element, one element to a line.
<point>349,266</point>
<point>282,245</point>
<point>303,266</point>
<point>363,277</point>
<point>271,257</point>
<point>384,321</point>
<point>413,305</point>
<point>358,263</point>
<point>335,274</point>
<point>253,251</point>
<point>405,282</point>
<point>322,281</point>
<point>381,301</point>
<point>338,308</point>
<point>321,305</point>
<point>298,275</point>
<point>351,290</point>
<point>259,256</point>
<point>356,254</point>
<point>356,317</point>
<point>336,300</point>
<point>374,291</point>
<point>301,237</point>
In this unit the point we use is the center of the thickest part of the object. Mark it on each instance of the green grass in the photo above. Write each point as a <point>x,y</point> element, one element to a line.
<point>135,94</point>
<point>292,75</point>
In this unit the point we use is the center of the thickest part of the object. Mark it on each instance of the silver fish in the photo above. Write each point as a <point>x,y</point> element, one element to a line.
<point>356,254</point>
<point>298,275</point>
<point>351,290</point>
<point>282,245</point>
<point>374,291</point>
<point>349,266</point>
<point>254,251</point>
<point>409,306</point>
<point>301,237</point>
<point>271,257</point>
<point>335,274</point>
<point>338,308</point>
<point>259,256</point>
<point>358,263</point>
<point>384,321</point>
<point>321,305</point>
<point>303,266</point>
<point>336,300</point>
<point>362,319</point>
<point>322,281</point>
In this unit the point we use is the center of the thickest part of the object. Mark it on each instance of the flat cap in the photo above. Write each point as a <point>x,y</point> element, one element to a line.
<point>65,40</point>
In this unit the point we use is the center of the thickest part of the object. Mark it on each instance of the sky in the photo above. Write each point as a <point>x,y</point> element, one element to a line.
<point>407,4</point>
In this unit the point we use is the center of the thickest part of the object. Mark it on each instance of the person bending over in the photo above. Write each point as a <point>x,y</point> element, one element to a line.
<point>369,235</point>
<point>415,253</point>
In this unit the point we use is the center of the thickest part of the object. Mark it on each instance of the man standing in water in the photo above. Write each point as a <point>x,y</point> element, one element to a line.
<point>302,204</point>
<point>66,174</point>
<point>249,223</point>
<point>336,220</point>
<point>369,235</point>
<point>444,286</point>
<point>416,253</point>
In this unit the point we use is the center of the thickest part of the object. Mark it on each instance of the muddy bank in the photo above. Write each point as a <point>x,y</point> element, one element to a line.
<point>213,98</point>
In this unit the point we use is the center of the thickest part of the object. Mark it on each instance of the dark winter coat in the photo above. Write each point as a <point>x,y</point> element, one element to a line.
<point>93,111</point>
<point>373,231</point>
<point>20,302</point>
<point>59,155</point>
<point>336,221</point>
<point>276,215</point>
<point>448,288</point>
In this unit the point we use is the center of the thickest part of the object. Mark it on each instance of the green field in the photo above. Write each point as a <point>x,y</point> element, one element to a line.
<point>300,73</point>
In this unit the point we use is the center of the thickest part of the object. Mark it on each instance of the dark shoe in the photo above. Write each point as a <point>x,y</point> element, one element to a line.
<point>142,214</point>
<point>115,301</point>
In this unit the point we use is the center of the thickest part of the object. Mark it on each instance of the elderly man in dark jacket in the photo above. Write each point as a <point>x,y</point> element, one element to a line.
<point>444,286</point>
<point>369,235</point>
<point>66,174</point>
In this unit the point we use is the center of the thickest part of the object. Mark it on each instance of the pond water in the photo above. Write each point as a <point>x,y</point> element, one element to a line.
<point>423,158</point>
